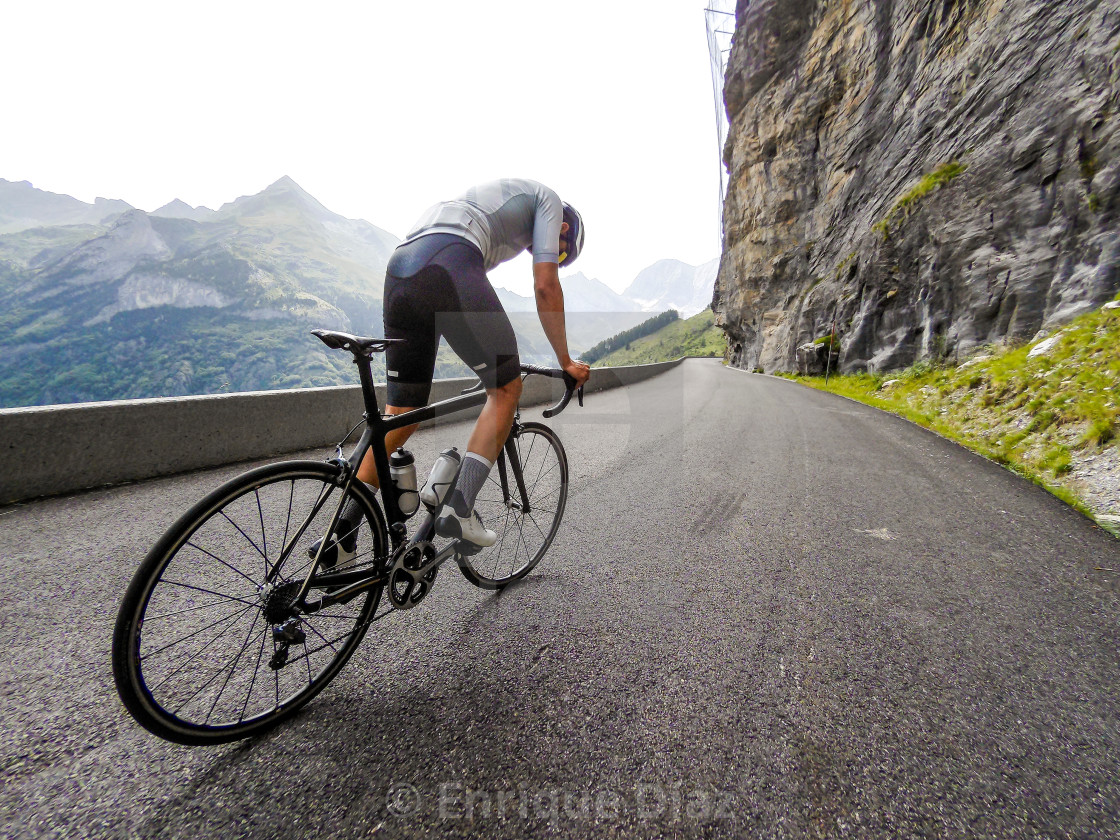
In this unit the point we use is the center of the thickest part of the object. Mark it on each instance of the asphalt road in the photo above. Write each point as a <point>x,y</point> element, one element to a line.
<point>770,613</point>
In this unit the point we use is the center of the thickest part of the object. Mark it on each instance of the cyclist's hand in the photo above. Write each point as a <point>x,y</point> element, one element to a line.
<point>578,370</point>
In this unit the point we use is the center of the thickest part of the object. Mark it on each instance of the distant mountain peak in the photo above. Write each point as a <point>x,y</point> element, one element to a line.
<point>284,191</point>
<point>287,186</point>
<point>176,204</point>
<point>179,209</point>
<point>673,284</point>
<point>284,182</point>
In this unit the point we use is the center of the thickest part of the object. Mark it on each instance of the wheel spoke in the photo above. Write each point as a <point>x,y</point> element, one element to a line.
<point>324,638</point>
<point>185,611</point>
<point>286,551</point>
<point>540,477</point>
<point>253,679</point>
<point>197,692</point>
<point>224,619</point>
<point>208,591</point>
<point>233,569</point>
<point>229,674</point>
<point>520,522</point>
<point>288,515</point>
<point>264,534</point>
<point>533,519</point>
<point>197,654</point>
<point>248,539</point>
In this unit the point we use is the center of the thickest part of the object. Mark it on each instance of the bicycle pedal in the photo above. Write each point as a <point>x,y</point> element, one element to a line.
<point>466,549</point>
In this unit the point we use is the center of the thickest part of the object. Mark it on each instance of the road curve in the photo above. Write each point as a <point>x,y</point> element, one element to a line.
<point>771,612</point>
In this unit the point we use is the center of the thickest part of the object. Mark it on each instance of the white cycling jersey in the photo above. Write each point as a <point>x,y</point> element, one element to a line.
<point>501,218</point>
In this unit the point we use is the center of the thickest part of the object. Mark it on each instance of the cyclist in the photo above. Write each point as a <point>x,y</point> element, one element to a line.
<point>436,284</point>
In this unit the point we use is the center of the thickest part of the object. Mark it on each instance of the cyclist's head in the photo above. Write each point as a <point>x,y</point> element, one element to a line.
<point>571,241</point>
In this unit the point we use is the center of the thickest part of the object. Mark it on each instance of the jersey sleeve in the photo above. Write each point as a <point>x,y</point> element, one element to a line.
<point>546,226</point>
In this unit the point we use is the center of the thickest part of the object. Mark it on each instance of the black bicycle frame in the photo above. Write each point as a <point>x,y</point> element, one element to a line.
<point>378,427</point>
<point>373,439</point>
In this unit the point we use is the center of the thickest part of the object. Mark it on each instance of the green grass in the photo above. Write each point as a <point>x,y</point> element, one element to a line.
<point>695,336</point>
<point>940,177</point>
<point>1034,415</point>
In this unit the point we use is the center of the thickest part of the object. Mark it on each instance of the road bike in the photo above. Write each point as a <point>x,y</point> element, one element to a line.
<point>237,617</point>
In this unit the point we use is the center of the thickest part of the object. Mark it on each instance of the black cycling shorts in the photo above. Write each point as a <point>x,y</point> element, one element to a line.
<point>436,286</point>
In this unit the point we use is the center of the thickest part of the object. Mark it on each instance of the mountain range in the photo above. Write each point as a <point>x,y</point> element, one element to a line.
<point>105,301</point>
<point>672,284</point>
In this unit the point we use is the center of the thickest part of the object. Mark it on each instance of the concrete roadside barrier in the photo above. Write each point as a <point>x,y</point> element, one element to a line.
<point>56,449</point>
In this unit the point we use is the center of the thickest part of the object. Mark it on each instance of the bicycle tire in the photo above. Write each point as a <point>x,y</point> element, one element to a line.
<point>193,637</point>
<point>522,538</point>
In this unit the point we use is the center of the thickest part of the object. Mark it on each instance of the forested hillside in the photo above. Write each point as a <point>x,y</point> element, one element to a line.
<point>695,336</point>
<point>624,338</point>
<point>182,300</point>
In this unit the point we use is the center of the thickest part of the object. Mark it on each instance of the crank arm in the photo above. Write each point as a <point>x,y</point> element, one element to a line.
<point>437,561</point>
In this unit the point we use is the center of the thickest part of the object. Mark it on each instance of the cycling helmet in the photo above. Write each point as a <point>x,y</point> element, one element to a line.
<point>573,238</point>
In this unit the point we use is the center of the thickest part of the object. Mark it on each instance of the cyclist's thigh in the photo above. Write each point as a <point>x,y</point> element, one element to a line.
<point>410,304</point>
<point>409,367</point>
<point>478,328</point>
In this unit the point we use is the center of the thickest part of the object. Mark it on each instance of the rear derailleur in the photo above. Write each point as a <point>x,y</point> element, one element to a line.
<point>280,611</point>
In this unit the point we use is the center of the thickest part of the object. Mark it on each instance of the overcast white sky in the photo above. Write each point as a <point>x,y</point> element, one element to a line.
<point>378,109</point>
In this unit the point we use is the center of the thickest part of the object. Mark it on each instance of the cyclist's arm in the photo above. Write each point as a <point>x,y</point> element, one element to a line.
<point>550,309</point>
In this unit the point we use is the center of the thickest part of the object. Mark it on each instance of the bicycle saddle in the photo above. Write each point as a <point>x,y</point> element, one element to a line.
<point>357,344</point>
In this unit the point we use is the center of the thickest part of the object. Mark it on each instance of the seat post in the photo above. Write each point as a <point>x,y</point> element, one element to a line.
<point>369,392</point>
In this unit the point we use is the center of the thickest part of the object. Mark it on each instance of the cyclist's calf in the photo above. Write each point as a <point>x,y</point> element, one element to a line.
<point>493,425</point>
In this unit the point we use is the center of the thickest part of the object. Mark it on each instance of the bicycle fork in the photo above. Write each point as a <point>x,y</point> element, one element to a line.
<point>509,453</point>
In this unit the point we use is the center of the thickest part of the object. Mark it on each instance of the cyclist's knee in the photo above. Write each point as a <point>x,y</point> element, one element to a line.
<point>511,391</point>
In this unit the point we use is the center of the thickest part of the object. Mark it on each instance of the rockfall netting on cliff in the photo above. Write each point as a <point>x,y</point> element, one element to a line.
<point>917,177</point>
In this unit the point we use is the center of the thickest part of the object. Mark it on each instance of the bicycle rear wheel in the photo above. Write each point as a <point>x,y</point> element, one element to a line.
<point>195,657</point>
<point>524,535</point>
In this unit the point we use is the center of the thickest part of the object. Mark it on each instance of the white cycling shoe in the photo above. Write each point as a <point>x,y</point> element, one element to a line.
<point>465,528</point>
<point>339,554</point>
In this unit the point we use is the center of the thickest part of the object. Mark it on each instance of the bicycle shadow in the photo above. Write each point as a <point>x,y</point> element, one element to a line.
<point>330,771</point>
<point>466,716</point>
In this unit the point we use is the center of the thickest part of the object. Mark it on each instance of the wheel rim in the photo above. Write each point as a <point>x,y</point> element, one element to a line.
<point>523,538</point>
<point>204,640</point>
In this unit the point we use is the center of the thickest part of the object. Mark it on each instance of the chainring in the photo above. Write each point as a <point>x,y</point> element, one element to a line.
<point>407,587</point>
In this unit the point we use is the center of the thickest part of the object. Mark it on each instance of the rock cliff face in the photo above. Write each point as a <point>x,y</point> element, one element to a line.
<point>929,175</point>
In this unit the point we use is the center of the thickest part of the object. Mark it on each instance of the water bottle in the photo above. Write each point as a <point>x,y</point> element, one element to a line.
<point>402,467</point>
<point>443,474</point>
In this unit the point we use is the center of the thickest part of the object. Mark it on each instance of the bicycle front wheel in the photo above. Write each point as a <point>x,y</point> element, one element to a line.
<point>525,531</point>
<point>196,658</point>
